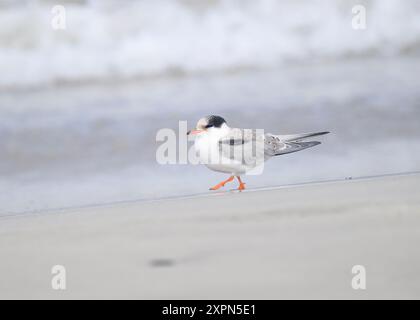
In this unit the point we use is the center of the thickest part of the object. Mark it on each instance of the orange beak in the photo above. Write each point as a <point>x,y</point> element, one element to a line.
<point>195,131</point>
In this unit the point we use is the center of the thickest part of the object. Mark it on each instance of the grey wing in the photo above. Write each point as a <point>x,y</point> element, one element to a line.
<point>243,145</point>
<point>282,144</point>
<point>300,136</point>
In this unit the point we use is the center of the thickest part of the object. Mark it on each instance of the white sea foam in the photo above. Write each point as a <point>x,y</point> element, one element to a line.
<point>114,39</point>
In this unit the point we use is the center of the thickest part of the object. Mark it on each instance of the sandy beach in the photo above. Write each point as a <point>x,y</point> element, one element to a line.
<point>287,242</point>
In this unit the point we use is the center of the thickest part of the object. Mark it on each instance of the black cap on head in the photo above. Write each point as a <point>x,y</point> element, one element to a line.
<point>215,121</point>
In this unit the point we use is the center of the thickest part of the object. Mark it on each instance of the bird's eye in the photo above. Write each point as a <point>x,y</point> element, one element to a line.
<point>209,126</point>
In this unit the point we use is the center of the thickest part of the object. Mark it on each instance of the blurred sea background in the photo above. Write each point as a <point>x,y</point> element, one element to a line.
<point>80,107</point>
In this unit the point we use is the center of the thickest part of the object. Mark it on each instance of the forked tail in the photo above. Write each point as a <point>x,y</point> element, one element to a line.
<point>296,146</point>
<point>293,143</point>
<point>300,136</point>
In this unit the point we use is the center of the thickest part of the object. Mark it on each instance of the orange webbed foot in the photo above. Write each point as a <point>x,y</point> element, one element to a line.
<point>241,184</point>
<point>221,184</point>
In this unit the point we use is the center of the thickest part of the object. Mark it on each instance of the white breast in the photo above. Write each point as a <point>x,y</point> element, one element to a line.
<point>207,147</point>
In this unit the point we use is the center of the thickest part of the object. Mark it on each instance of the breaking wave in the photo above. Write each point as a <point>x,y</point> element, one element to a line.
<point>114,39</point>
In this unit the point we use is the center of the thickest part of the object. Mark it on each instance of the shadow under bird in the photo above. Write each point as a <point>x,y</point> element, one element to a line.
<point>238,151</point>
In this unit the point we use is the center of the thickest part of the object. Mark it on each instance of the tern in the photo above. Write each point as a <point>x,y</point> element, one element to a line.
<point>238,151</point>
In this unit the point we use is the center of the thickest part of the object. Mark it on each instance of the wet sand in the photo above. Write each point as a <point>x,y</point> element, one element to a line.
<point>96,143</point>
<point>287,242</point>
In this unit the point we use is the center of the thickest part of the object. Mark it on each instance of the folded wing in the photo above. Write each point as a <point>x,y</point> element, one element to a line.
<point>252,146</point>
<point>282,144</point>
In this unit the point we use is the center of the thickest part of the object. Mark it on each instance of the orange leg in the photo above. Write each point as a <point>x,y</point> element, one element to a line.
<point>241,184</point>
<point>222,184</point>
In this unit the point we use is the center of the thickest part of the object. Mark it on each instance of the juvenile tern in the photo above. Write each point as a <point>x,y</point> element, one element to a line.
<point>238,151</point>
